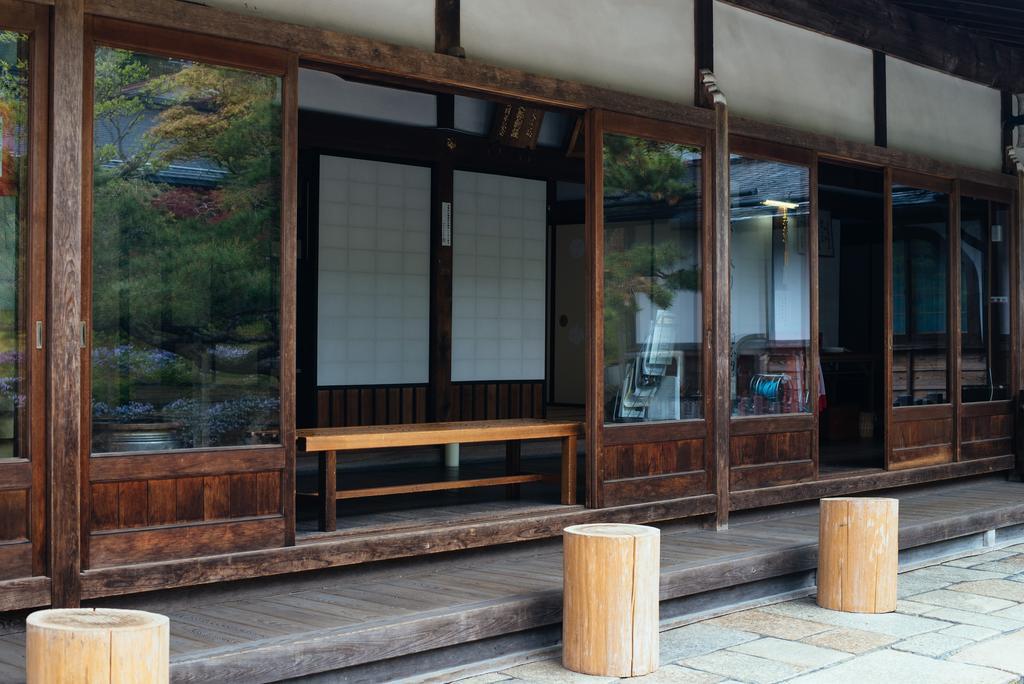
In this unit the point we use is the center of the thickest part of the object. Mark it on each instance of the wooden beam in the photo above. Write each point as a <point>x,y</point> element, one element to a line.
<point>912,36</point>
<point>289,266</point>
<point>593,131</point>
<point>63,385</point>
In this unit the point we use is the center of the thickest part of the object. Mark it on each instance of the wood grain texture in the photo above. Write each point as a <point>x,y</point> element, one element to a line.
<point>858,552</point>
<point>63,387</point>
<point>99,645</point>
<point>466,432</point>
<point>125,547</point>
<point>610,599</point>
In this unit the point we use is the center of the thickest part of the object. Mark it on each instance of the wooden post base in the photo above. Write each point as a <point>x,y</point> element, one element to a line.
<point>97,646</point>
<point>610,612</point>
<point>858,554</point>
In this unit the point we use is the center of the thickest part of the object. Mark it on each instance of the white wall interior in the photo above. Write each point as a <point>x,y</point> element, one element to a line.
<point>320,91</point>
<point>942,116</point>
<point>499,252</point>
<point>373,276</point>
<point>779,73</point>
<point>643,46</point>
<point>406,22</point>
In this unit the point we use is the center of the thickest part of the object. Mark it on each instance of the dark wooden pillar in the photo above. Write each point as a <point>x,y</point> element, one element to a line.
<point>441,236</point>
<point>289,264</point>
<point>64,400</point>
<point>447,28</point>
<point>719,438</point>
<point>881,102</point>
<point>704,48</point>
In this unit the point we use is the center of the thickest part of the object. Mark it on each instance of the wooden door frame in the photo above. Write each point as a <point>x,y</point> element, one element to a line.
<point>136,466</point>
<point>599,122</point>
<point>23,478</point>
<point>806,422</point>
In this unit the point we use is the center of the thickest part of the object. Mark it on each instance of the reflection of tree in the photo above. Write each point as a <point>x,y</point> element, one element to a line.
<point>655,181</point>
<point>187,266</point>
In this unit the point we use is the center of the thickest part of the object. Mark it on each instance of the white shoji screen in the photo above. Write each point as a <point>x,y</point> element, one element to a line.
<point>499,256</point>
<point>374,273</point>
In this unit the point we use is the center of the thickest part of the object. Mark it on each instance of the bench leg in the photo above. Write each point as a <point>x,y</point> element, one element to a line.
<point>327,475</point>
<point>569,470</point>
<point>513,451</point>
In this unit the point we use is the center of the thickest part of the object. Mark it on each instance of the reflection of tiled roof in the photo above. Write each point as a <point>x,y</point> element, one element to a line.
<point>190,172</point>
<point>752,181</point>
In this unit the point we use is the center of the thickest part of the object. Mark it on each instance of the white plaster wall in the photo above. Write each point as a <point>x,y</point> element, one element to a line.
<point>778,73</point>
<point>373,276</point>
<point>942,116</point>
<point>641,46</point>
<point>499,252</point>
<point>406,22</point>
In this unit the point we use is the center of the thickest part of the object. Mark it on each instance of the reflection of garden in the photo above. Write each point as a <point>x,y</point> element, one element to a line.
<point>651,207</point>
<point>13,210</point>
<point>185,244</point>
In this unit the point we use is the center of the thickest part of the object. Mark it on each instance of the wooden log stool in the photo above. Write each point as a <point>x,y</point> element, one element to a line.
<point>858,554</point>
<point>610,604</point>
<point>97,646</point>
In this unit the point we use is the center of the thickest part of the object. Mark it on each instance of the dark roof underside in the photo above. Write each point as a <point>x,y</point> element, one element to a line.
<point>998,20</point>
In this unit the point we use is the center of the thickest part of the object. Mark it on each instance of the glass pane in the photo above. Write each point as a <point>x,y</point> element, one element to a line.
<point>652,275</point>
<point>920,283</point>
<point>770,288</point>
<point>185,253</point>
<point>14,213</point>
<point>984,301</point>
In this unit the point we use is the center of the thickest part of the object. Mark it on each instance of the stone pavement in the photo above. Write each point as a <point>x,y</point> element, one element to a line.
<point>958,622</point>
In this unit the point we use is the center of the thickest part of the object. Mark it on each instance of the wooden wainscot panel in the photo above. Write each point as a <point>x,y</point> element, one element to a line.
<point>765,459</point>
<point>986,429</point>
<point>921,440</point>
<point>15,559</point>
<point>166,501</point>
<point>490,400</point>
<point>382,405</point>
<point>653,458</point>
<point>125,547</point>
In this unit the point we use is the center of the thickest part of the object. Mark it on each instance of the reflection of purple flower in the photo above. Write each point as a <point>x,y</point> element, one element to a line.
<point>228,352</point>
<point>132,412</point>
<point>12,357</point>
<point>138,361</point>
<point>221,423</point>
<point>9,387</point>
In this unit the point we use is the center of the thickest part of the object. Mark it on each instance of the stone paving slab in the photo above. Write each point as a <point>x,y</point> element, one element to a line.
<point>891,624</point>
<point>947,598</point>
<point>698,639</point>
<point>966,617</point>
<point>850,640</point>
<point>743,667</point>
<point>955,623</point>
<point>996,588</point>
<point>1005,653</point>
<point>896,666</point>
<point>770,624</point>
<point>934,644</point>
<point>793,653</point>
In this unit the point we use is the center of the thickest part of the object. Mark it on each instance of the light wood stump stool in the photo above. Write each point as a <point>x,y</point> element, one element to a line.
<point>97,646</point>
<point>858,554</point>
<point>610,609</point>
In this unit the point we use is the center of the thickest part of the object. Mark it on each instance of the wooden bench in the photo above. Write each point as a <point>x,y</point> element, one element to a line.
<point>327,442</point>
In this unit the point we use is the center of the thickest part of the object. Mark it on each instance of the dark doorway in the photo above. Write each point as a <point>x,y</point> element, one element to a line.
<point>851,291</point>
